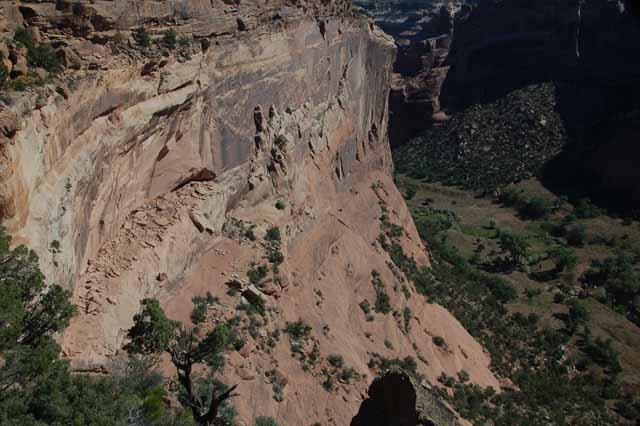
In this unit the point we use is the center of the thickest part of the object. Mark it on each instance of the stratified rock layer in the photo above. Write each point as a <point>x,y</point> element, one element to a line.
<point>143,172</point>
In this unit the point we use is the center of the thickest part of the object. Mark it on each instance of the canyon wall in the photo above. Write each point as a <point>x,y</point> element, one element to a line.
<point>589,50</point>
<point>423,32</point>
<point>153,172</point>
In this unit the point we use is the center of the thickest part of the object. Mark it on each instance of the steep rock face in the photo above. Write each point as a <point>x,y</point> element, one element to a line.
<point>143,175</point>
<point>588,49</point>
<point>423,32</point>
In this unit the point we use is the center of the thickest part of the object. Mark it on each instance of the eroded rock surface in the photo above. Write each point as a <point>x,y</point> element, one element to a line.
<point>423,31</point>
<point>150,172</point>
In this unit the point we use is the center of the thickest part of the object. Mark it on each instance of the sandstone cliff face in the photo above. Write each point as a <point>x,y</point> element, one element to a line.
<point>142,175</point>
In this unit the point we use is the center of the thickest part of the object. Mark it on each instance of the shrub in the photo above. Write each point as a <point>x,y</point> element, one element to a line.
<point>169,38</point>
<point>257,273</point>
<point>328,384</point>
<point>585,209</point>
<point>4,75</point>
<point>273,234</point>
<point>534,208</point>
<point>280,141</point>
<point>406,316</point>
<point>438,341</point>
<point>510,196</point>
<point>564,258</point>
<point>298,330</point>
<point>200,307</point>
<point>410,192</point>
<point>383,304</point>
<point>22,37</point>
<point>388,344</point>
<point>250,234</point>
<point>266,421</point>
<point>38,56</point>
<point>336,360</point>
<point>280,205</point>
<point>347,374</point>
<point>43,56</point>
<point>276,257</point>
<point>578,314</point>
<point>576,235</point>
<point>514,245</point>
<point>119,38</point>
<point>604,354</point>
<point>142,37</point>
<point>500,289</point>
<point>256,305</point>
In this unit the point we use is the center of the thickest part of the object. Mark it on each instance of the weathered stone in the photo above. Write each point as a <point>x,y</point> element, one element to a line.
<point>69,58</point>
<point>396,399</point>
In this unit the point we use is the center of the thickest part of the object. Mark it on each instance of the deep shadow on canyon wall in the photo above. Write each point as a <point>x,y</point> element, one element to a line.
<point>590,50</point>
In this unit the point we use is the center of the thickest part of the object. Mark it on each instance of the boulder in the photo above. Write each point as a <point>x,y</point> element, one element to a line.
<point>69,58</point>
<point>9,123</point>
<point>18,57</point>
<point>395,398</point>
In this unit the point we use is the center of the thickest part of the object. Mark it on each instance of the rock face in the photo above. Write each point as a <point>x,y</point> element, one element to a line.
<point>149,172</point>
<point>423,31</point>
<point>396,399</point>
<point>589,49</point>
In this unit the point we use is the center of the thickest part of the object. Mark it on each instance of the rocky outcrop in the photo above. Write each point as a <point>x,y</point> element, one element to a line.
<point>152,172</point>
<point>423,32</point>
<point>395,398</point>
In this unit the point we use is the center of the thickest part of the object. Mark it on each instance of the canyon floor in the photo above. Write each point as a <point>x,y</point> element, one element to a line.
<point>463,229</point>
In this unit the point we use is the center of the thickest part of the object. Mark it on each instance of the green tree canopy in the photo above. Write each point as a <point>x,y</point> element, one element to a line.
<point>515,246</point>
<point>153,333</point>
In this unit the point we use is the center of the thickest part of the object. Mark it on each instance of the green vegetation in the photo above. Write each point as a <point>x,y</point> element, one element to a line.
<point>335,360</point>
<point>490,144</point>
<point>169,39</point>
<point>36,386</point>
<point>280,141</point>
<point>273,234</point>
<point>382,364</point>
<point>280,205</point>
<point>515,246</point>
<point>439,341</point>
<point>328,384</point>
<point>200,307</point>
<point>298,330</point>
<point>566,367</point>
<point>257,273</point>
<point>620,277</point>
<point>38,55</point>
<point>266,421</point>
<point>153,333</point>
<point>255,305</point>
<point>382,305</point>
<point>565,258</point>
<point>141,36</point>
<point>4,75</point>
<point>406,317</point>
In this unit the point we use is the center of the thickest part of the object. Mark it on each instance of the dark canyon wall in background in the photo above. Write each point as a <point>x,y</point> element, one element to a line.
<point>454,54</point>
